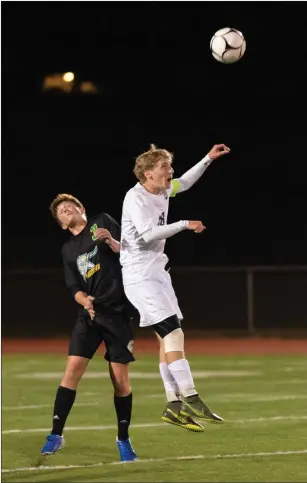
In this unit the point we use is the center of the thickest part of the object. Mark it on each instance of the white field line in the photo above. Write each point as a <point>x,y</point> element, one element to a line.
<point>152,425</point>
<point>281,397</point>
<point>294,369</point>
<point>83,428</point>
<point>270,418</point>
<point>297,380</point>
<point>159,460</point>
<point>41,406</point>
<point>223,398</point>
<point>213,363</point>
<point>137,375</point>
<point>229,398</point>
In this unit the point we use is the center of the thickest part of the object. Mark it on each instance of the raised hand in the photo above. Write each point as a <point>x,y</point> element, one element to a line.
<point>218,150</point>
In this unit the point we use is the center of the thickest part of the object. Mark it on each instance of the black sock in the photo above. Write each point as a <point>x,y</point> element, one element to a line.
<point>123,407</point>
<point>63,403</point>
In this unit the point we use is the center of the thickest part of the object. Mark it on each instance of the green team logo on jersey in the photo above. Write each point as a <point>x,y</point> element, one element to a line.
<point>92,230</point>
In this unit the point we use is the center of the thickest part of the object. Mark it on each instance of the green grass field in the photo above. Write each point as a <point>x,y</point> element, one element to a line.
<point>264,438</point>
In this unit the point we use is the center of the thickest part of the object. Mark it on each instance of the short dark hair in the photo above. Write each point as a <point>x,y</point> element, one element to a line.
<point>59,199</point>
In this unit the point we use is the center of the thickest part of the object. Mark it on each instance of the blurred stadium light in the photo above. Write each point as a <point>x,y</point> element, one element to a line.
<point>66,82</point>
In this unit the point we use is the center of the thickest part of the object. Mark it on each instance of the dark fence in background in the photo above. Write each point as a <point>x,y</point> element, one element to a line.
<point>247,300</point>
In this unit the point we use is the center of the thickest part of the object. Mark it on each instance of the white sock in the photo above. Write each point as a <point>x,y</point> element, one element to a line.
<point>171,388</point>
<point>181,372</point>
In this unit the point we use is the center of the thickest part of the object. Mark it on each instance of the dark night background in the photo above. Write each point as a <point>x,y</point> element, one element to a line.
<point>158,83</point>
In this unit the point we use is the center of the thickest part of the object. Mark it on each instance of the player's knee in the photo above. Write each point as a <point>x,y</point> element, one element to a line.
<point>170,334</point>
<point>120,379</point>
<point>121,386</point>
<point>122,389</point>
<point>174,341</point>
<point>75,369</point>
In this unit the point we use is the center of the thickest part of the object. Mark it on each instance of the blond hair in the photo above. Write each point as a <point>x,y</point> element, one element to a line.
<point>148,161</point>
<point>59,199</point>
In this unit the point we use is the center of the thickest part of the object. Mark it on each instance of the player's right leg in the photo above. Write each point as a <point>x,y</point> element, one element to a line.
<point>84,342</point>
<point>119,373</point>
<point>63,403</point>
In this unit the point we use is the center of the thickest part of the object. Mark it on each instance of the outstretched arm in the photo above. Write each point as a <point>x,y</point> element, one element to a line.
<point>192,175</point>
<point>166,231</point>
<point>137,211</point>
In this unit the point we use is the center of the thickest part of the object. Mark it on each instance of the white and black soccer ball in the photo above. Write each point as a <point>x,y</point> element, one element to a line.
<point>228,45</point>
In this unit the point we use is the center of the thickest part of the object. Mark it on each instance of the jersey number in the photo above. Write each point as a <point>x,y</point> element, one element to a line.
<point>92,230</point>
<point>161,219</point>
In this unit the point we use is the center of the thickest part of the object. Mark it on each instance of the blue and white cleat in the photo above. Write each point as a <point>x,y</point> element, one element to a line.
<point>53,444</point>
<point>126,452</point>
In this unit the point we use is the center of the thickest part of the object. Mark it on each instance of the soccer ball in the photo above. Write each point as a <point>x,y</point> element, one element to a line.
<point>228,45</point>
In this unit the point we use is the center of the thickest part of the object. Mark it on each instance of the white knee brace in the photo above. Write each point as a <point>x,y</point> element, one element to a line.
<point>174,341</point>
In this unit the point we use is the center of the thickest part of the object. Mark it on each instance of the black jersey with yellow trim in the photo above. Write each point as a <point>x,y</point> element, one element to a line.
<point>91,266</point>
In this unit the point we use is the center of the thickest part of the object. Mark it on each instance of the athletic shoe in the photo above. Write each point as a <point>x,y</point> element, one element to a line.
<point>194,406</point>
<point>53,444</point>
<point>173,415</point>
<point>126,452</point>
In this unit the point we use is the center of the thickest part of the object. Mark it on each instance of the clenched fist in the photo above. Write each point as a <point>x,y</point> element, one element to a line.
<point>196,226</point>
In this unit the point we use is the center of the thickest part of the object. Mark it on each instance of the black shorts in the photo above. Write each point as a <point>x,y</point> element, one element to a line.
<point>115,331</point>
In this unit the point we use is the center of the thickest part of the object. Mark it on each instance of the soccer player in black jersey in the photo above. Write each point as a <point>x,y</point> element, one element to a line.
<point>93,276</point>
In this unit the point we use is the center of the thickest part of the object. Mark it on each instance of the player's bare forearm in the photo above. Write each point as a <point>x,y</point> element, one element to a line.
<point>114,245</point>
<point>87,301</point>
<point>103,234</point>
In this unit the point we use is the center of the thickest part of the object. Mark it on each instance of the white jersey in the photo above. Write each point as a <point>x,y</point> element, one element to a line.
<point>142,211</point>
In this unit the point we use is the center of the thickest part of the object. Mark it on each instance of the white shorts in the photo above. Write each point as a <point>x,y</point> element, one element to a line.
<point>155,299</point>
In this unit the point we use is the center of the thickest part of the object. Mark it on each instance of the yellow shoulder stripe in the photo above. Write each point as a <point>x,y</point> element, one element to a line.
<point>175,187</point>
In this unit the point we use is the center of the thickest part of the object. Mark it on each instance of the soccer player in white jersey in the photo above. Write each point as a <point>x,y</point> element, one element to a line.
<point>148,285</point>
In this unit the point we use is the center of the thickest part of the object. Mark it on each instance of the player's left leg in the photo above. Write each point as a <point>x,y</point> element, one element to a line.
<point>123,406</point>
<point>119,340</point>
<point>173,339</point>
<point>172,412</point>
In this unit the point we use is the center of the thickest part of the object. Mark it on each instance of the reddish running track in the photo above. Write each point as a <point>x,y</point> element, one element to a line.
<point>200,346</point>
